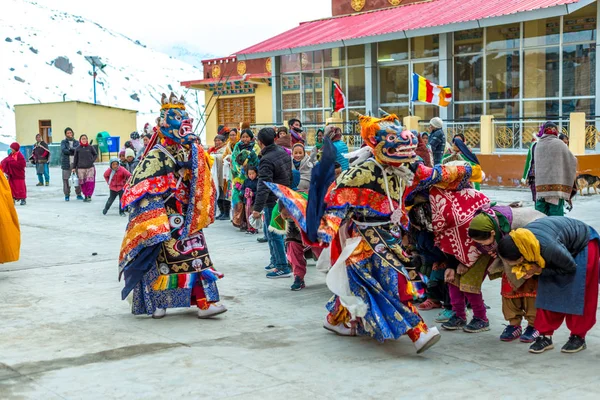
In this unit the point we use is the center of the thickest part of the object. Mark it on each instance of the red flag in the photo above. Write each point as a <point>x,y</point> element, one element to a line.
<point>338,98</point>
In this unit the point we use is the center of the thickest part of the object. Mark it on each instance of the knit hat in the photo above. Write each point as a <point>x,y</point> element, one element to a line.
<point>249,133</point>
<point>436,122</point>
<point>15,146</point>
<point>122,153</point>
<point>129,153</point>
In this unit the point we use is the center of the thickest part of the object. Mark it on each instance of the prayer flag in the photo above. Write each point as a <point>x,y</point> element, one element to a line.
<point>338,98</point>
<point>428,92</point>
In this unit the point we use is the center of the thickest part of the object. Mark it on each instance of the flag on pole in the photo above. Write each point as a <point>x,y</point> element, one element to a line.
<point>428,92</point>
<point>338,98</point>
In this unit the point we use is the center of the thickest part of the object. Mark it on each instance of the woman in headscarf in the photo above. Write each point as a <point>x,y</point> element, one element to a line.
<point>488,227</point>
<point>314,155</point>
<point>423,151</point>
<point>284,139</point>
<point>245,154</point>
<point>83,166</point>
<point>10,232</point>
<point>14,168</point>
<point>229,146</point>
<point>565,254</point>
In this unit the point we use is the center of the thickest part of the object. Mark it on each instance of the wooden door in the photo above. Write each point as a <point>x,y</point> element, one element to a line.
<point>45,129</point>
<point>232,112</point>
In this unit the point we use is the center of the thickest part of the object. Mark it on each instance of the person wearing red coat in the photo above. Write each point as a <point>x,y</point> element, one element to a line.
<point>116,176</point>
<point>14,168</point>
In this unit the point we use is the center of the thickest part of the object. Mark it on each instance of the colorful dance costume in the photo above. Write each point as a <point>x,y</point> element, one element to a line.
<point>171,197</point>
<point>360,219</point>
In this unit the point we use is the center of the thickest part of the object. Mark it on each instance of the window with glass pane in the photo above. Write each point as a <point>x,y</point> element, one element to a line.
<point>333,75</point>
<point>541,72</point>
<point>356,86</point>
<point>395,50</point>
<point>334,57</point>
<point>356,55</point>
<point>468,41</point>
<point>468,77</point>
<point>393,84</point>
<point>542,32</point>
<point>290,63</point>
<point>425,46</point>
<point>313,117</point>
<point>502,75</point>
<point>580,26</point>
<point>312,85</point>
<point>579,70</point>
<point>468,111</point>
<point>400,110</point>
<point>290,90</point>
<point>503,37</point>
<point>426,111</point>
<point>312,61</point>
<point>578,105</point>
<point>428,70</point>
<point>287,115</point>
<point>503,109</point>
<point>541,108</point>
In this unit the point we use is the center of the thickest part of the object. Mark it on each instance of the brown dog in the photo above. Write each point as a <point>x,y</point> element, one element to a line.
<point>587,181</point>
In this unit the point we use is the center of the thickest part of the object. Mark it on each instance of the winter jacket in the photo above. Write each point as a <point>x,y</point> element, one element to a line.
<point>14,166</point>
<point>67,150</point>
<point>40,153</point>
<point>305,170</point>
<point>85,156</point>
<point>561,239</point>
<point>119,179</point>
<point>130,166</point>
<point>249,184</point>
<point>275,166</point>
<point>341,148</point>
<point>437,142</point>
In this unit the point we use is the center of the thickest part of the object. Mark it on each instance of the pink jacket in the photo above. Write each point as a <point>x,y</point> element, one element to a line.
<point>119,179</point>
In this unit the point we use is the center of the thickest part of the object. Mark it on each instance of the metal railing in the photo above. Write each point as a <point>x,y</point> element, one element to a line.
<point>471,129</point>
<point>592,136</point>
<point>516,134</point>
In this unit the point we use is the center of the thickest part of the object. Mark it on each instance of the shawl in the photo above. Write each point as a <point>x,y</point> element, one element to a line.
<point>10,232</point>
<point>555,168</point>
<point>529,247</point>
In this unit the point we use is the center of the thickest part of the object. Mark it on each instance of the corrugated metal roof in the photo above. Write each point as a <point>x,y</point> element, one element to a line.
<point>434,13</point>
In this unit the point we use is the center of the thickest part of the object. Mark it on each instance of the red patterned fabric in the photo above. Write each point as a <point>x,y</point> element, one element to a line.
<point>152,185</point>
<point>452,213</point>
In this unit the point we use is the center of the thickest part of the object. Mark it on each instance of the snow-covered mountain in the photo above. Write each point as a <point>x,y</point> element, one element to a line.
<point>42,59</point>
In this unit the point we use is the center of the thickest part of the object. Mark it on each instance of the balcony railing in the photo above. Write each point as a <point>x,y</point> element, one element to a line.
<point>470,128</point>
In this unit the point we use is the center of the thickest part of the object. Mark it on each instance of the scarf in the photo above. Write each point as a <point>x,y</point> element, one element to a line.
<point>529,247</point>
<point>555,168</point>
<point>297,164</point>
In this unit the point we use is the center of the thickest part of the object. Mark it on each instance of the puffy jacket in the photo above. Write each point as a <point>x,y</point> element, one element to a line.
<point>119,179</point>
<point>85,156</point>
<point>437,142</point>
<point>275,166</point>
<point>561,239</point>
<point>341,148</point>
<point>67,152</point>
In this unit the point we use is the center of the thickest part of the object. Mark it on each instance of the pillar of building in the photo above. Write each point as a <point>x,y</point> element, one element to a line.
<point>445,70</point>
<point>371,87</point>
<point>487,134</point>
<point>276,89</point>
<point>411,123</point>
<point>577,133</point>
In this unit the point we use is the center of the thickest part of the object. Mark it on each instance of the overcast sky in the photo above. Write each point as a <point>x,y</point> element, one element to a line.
<point>219,27</point>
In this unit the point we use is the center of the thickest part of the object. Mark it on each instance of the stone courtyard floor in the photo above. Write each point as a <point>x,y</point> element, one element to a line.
<point>65,333</point>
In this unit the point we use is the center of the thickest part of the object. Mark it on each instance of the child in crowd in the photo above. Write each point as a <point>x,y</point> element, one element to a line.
<point>122,159</point>
<point>248,193</point>
<point>116,176</point>
<point>302,165</point>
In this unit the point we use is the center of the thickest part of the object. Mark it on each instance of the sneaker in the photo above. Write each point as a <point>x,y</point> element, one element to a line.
<point>511,332</point>
<point>298,284</point>
<point>39,184</point>
<point>427,340</point>
<point>341,329</point>
<point>269,267</point>
<point>47,184</point>
<point>159,313</point>
<point>574,345</point>
<point>212,310</point>
<point>279,273</point>
<point>477,325</point>
<point>262,240</point>
<point>23,202</point>
<point>444,316</point>
<point>454,323</point>
<point>529,335</point>
<point>429,305</point>
<point>66,198</point>
<point>541,344</point>
<point>104,212</point>
<point>79,197</point>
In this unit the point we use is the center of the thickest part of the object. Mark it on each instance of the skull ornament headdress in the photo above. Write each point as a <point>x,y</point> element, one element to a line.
<point>174,122</point>
<point>390,142</point>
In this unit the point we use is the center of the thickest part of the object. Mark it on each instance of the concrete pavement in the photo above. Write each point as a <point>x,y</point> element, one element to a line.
<point>65,333</point>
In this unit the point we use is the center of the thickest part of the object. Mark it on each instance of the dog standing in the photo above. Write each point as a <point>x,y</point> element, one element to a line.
<point>587,181</point>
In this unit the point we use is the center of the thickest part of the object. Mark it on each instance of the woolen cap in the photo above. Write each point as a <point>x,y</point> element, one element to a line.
<point>436,122</point>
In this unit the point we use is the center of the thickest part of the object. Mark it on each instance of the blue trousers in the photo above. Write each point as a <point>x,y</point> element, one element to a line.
<point>276,245</point>
<point>43,172</point>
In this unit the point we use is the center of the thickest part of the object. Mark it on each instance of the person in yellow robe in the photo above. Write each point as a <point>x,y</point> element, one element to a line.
<point>10,232</point>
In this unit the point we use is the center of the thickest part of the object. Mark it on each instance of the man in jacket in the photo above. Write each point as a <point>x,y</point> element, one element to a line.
<point>437,139</point>
<point>41,157</point>
<point>67,151</point>
<point>275,166</point>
